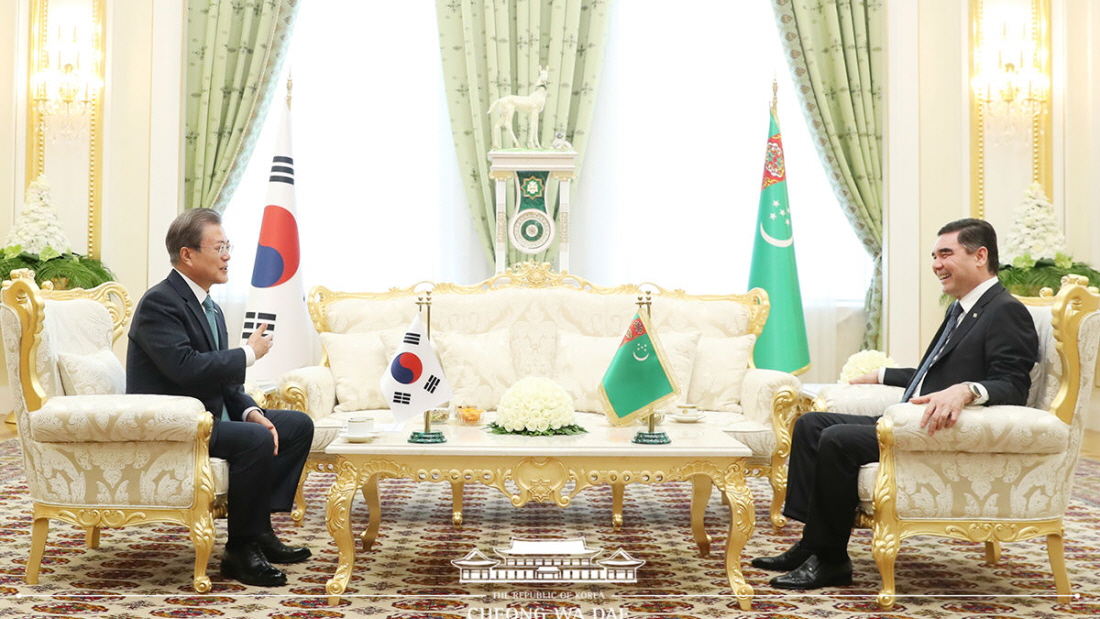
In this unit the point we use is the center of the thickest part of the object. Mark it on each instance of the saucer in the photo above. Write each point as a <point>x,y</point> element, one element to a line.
<point>686,418</point>
<point>361,438</point>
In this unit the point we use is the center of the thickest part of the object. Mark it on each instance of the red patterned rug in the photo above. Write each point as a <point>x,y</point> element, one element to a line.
<point>144,572</point>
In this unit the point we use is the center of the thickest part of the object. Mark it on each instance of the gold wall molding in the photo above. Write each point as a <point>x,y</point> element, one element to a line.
<point>40,153</point>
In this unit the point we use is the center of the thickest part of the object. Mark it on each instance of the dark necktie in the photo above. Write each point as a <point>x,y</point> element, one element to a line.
<point>211,318</point>
<point>948,329</point>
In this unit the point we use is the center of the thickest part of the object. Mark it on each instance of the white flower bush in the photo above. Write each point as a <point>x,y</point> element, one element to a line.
<point>863,362</point>
<point>1035,234</point>
<point>38,228</point>
<point>535,404</point>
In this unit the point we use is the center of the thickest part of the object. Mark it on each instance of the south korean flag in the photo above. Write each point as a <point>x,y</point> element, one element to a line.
<point>414,380</point>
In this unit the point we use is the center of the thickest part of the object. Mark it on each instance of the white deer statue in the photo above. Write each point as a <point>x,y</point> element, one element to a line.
<point>506,107</point>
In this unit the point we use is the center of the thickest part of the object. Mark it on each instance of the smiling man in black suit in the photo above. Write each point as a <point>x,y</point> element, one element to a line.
<point>179,346</point>
<point>982,355</point>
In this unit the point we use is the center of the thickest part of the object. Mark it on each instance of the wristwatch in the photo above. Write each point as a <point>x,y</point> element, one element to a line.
<point>974,391</point>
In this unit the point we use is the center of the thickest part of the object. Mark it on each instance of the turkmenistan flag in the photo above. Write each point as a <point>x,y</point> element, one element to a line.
<point>782,345</point>
<point>637,378</point>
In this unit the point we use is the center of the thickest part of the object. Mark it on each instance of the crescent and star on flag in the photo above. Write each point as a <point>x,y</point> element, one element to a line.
<point>779,216</point>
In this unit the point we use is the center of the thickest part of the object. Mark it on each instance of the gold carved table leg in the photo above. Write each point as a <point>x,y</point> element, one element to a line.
<point>617,493</point>
<point>374,511</point>
<point>338,519</point>
<point>700,494</point>
<point>456,502</point>
<point>742,523</point>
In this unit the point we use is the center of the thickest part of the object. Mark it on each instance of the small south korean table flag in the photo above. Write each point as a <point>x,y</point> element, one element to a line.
<point>414,380</point>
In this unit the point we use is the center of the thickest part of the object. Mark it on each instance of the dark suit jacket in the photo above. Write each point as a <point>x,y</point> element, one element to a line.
<point>995,345</point>
<point>171,351</point>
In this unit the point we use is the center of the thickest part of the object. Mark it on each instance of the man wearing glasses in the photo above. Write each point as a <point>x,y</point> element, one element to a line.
<point>179,346</point>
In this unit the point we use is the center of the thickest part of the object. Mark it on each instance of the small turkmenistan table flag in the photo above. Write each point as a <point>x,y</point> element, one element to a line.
<point>782,345</point>
<point>638,377</point>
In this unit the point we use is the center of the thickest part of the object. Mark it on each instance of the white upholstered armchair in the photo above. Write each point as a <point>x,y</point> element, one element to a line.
<point>93,456</point>
<point>1002,473</point>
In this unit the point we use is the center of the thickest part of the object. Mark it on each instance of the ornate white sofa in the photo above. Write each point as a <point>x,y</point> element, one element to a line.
<point>532,321</point>
<point>1002,473</point>
<point>93,456</point>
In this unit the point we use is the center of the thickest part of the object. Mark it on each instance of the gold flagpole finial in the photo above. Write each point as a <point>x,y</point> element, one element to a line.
<point>289,86</point>
<point>775,93</point>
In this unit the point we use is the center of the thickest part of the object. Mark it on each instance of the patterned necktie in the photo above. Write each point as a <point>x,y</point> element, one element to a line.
<point>211,318</point>
<point>952,322</point>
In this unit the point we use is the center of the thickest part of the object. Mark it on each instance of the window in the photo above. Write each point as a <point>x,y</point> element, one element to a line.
<point>670,183</point>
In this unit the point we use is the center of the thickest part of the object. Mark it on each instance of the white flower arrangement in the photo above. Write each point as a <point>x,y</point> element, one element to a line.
<point>38,229</point>
<point>863,362</point>
<point>535,406</point>
<point>1035,234</point>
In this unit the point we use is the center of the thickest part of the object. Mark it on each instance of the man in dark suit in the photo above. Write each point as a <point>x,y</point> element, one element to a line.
<point>982,355</point>
<point>179,346</point>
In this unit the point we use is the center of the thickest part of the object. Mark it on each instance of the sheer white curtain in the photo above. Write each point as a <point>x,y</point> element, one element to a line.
<point>671,178</point>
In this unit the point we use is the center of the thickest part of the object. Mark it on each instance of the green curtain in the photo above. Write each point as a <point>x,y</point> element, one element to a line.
<point>493,48</point>
<point>835,52</point>
<point>235,51</point>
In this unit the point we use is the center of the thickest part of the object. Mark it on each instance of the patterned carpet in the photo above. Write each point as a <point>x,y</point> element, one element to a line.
<point>145,572</point>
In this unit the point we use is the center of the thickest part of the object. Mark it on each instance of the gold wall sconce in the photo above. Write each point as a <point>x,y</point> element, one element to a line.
<point>68,82</point>
<point>1010,101</point>
<point>64,108</point>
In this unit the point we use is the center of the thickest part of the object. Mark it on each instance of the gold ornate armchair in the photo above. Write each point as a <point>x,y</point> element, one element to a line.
<point>1002,473</point>
<point>93,456</point>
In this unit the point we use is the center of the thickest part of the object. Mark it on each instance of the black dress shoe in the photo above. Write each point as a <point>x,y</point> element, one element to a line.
<point>815,574</point>
<point>248,565</point>
<point>789,560</point>
<point>277,552</point>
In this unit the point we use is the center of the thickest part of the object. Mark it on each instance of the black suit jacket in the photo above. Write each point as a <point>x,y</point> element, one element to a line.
<point>995,345</point>
<point>171,351</point>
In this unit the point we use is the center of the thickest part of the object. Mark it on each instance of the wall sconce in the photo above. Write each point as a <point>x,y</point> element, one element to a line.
<point>1010,79</point>
<point>67,82</point>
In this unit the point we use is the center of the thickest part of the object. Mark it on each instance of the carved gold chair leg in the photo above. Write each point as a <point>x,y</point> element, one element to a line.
<point>39,531</point>
<point>298,514</point>
<point>777,476</point>
<point>91,537</point>
<point>456,502</point>
<point>993,552</point>
<point>617,493</point>
<point>885,562</point>
<point>1057,554</point>
<point>202,536</point>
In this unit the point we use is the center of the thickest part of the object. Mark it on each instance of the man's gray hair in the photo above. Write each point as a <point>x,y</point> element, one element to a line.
<point>187,229</point>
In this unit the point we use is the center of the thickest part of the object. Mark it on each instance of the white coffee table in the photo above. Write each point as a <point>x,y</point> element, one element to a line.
<point>539,470</point>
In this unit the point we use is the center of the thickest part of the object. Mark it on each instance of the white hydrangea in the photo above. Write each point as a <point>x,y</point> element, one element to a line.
<point>1035,234</point>
<point>536,404</point>
<point>863,362</point>
<point>38,225</point>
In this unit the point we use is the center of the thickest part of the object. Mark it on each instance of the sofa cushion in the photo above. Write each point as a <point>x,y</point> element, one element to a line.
<point>478,366</point>
<point>720,366</point>
<point>98,373</point>
<point>582,360</point>
<point>580,364</point>
<point>358,361</point>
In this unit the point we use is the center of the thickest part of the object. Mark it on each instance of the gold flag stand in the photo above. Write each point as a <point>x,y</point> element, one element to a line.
<point>428,436</point>
<point>652,436</point>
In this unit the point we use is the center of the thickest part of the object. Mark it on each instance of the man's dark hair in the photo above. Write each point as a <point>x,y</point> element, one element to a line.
<point>974,234</point>
<point>186,231</point>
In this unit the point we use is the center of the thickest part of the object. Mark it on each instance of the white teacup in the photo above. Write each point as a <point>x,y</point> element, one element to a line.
<point>360,425</point>
<point>688,410</point>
